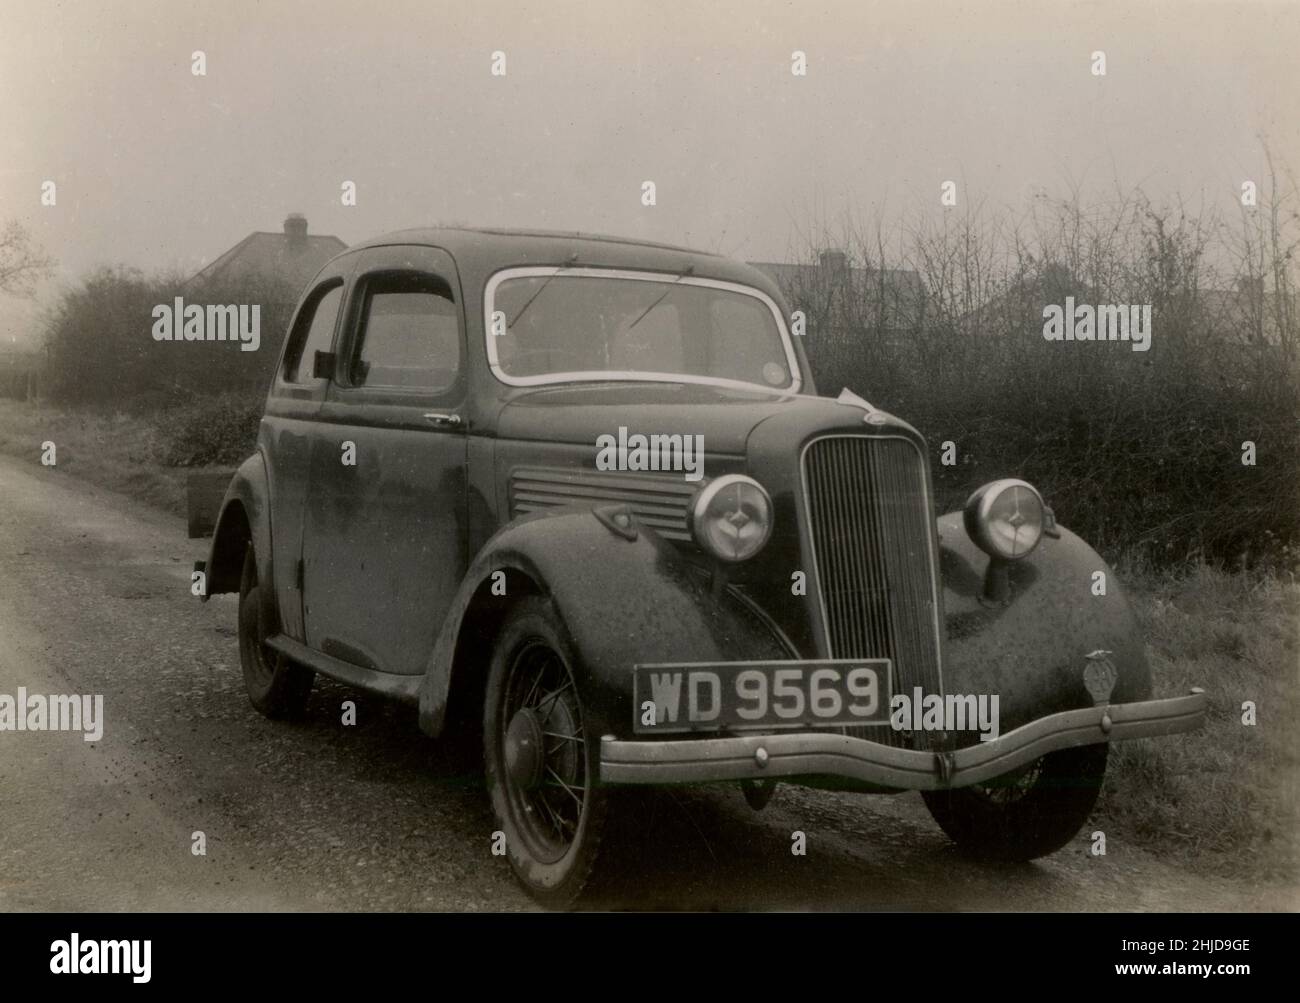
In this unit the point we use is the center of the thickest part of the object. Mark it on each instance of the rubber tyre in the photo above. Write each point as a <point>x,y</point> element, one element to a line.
<point>276,686</point>
<point>557,878</point>
<point>1005,822</point>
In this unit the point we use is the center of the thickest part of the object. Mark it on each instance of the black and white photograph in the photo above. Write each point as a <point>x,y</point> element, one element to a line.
<point>543,459</point>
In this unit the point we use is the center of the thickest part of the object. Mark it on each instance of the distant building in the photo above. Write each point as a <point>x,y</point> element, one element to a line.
<point>1250,316</point>
<point>892,299</point>
<point>1244,315</point>
<point>268,270</point>
<point>1018,305</point>
<point>292,257</point>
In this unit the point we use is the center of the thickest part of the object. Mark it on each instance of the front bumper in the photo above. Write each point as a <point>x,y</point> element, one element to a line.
<point>765,757</point>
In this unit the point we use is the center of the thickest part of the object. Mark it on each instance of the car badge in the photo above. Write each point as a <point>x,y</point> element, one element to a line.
<point>1099,676</point>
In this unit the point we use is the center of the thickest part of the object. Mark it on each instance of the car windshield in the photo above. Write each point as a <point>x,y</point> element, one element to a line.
<point>548,325</point>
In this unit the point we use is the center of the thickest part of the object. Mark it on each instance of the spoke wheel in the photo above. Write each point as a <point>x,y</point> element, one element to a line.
<point>545,753</point>
<point>540,758</point>
<point>1011,787</point>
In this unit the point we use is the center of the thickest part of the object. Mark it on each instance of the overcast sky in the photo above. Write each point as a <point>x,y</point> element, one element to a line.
<point>156,167</point>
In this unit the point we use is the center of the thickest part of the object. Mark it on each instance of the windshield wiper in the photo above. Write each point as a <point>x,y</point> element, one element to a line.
<point>685,272</point>
<point>568,264</point>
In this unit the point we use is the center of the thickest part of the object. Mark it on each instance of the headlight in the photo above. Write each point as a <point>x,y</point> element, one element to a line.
<point>731,518</point>
<point>1005,519</point>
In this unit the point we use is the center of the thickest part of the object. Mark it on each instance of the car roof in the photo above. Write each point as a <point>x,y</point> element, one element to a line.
<point>481,251</point>
<point>466,236</point>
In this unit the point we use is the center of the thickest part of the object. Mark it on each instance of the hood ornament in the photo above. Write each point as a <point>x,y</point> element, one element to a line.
<point>874,415</point>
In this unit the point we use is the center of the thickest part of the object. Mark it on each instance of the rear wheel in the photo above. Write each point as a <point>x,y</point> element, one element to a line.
<point>276,686</point>
<point>541,757</point>
<point>1028,813</point>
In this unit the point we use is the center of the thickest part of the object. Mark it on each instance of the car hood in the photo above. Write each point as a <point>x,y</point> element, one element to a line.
<point>573,414</point>
<point>726,417</point>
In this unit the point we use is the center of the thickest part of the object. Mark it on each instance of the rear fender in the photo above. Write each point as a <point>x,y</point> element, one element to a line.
<point>245,516</point>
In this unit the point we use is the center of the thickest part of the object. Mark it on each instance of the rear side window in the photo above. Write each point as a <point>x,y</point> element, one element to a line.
<point>409,337</point>
<point>314,332</point>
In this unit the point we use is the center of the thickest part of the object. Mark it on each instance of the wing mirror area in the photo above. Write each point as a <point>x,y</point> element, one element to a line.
<point>323,365</point>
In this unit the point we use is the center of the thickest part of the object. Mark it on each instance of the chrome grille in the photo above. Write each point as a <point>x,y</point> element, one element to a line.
<point>872,534</point>
<point>658,502</point>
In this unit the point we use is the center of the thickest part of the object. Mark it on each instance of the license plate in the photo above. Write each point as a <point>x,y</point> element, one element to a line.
<point>738,696</point>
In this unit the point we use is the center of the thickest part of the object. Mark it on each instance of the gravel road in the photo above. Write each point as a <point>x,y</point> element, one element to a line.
<point>94,598</point>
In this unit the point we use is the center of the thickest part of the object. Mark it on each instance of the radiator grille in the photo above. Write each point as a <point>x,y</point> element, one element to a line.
<point>872,534</point>
<point>658,502</point>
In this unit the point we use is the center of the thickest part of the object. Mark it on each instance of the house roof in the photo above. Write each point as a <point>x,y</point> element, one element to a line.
<point>899,290</point>
<point>273,255</point>
<point>1228,314</point>
<point>1250,316</point>
<point>793,274</point>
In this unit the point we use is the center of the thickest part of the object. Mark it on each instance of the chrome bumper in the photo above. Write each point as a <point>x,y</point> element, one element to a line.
<point>763,757</point>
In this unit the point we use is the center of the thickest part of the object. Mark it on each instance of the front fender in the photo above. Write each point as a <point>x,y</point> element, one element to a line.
<point>623,602</point>
<point>1031,650</point>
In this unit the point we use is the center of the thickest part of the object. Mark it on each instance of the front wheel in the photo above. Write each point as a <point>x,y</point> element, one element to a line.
<point>541,757</point>
<point>1028,813</point>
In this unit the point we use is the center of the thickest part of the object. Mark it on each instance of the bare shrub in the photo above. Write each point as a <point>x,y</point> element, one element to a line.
<point>101,350</point>
<point>942,323</point>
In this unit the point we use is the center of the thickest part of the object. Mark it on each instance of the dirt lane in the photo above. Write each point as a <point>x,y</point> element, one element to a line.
<point>94,598</point>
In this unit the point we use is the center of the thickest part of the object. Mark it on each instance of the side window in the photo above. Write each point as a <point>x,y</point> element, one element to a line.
<point>313,332</point>
<point>409,336</point>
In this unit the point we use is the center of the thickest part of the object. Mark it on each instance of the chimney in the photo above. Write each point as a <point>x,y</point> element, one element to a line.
<point>834,261</point>
<point>295,228</point>
<point>1252,287</point>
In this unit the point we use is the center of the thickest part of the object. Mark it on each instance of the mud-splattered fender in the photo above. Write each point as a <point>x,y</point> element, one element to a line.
<point>245,513</point>
<point>1031,651</point>
<point>623,602</point>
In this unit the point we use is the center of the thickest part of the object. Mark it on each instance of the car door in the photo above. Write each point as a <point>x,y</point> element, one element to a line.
<point>292,409</point>
<point>384,546</point>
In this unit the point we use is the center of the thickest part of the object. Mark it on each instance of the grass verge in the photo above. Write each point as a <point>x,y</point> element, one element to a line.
<point>117,451</point>
<point>1224,799</point>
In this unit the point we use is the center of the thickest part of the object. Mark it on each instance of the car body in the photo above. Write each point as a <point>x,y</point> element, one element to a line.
<point>431,515</point>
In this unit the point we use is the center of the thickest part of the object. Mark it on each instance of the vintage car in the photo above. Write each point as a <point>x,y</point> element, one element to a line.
<point>582,491</point>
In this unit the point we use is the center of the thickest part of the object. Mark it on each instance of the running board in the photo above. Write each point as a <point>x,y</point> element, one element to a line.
<point>386,684</point>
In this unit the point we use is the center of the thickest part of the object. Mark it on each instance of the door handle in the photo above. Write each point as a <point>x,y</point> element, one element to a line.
<point>443,419</point>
